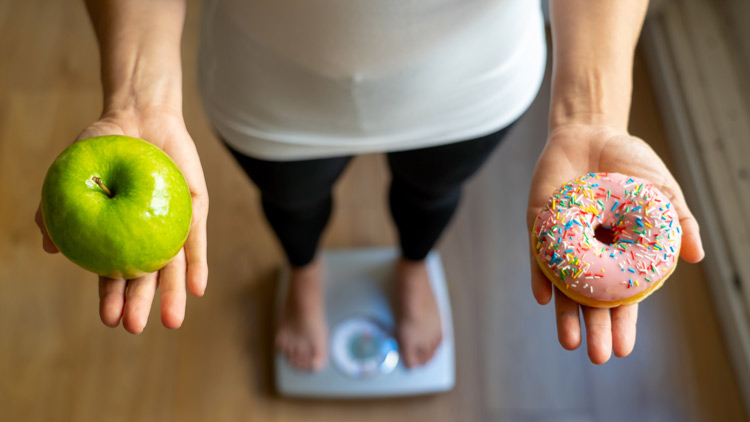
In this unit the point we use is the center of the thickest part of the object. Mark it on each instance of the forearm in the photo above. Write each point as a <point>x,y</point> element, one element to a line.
<point>139,41</point>
<point>594,43</point>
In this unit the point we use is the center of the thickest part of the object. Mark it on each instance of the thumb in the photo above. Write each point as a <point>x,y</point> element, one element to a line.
<point>692,246</point>
<point>47,244</point>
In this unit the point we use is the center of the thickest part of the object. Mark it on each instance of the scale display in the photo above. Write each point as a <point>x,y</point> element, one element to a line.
<point>362,348</point>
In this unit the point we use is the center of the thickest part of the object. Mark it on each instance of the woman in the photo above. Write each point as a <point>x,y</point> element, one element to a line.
<point>295,89</point>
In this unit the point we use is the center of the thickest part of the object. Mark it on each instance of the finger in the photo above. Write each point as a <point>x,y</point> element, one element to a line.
<point>111,300</point>
<point>598,333</point>
<point>186,155</point>
<point>139,294</point>
<point>692,246</point>
<point>568,321</point>
<point>540,286</point>
<point>624,320</point>
<point>172,282</point>
<point>549,174</point>
<point>195,248</point>
<point>47,244</point>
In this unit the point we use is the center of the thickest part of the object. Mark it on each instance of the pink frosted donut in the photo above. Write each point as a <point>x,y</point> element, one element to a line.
<point>605,239</point>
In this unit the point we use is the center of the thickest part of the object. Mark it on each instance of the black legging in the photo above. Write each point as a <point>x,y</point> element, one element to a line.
<point>424,193</point>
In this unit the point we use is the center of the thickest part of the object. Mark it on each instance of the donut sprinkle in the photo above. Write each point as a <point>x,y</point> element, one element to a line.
<point>608,236</point>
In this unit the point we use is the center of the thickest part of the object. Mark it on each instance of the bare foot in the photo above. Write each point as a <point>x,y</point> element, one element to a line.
<point>302,334</point>
<point>418,332</point>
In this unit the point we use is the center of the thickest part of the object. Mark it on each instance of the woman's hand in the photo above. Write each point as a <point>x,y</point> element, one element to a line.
<point>130,300</point>
<point>574,150</point>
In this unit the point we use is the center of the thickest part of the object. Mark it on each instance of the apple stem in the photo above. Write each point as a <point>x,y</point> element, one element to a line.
<point>98,181</point>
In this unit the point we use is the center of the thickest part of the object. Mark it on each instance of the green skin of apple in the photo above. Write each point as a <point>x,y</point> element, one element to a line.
<point>136,228</point>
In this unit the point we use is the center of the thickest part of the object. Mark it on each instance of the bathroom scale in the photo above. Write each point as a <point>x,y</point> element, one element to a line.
<point>364,358</point>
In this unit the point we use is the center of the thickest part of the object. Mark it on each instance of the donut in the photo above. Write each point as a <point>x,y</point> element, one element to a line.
<point>607,240</point>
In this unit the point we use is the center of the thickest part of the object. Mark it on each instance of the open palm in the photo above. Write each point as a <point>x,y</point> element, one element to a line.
<point>130,300</point>
<point>570,152</point>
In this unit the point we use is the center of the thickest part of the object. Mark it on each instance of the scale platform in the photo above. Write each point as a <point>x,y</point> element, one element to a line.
<point>364,359</point>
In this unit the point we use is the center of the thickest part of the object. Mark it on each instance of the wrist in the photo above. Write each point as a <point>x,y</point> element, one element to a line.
<point>143,115</point>
<point>137,78</point>
<point>585,119</point>
<point>593,48</point>
<point>138,105</point>
<point>143,94</point>
<point>585,135</point>
<point>589,99</point>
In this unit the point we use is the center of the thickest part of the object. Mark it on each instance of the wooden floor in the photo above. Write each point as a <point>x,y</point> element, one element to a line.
<point>59,363</point>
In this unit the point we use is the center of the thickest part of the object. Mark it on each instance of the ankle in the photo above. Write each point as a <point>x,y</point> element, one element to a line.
<point>407,269</point>
<point>311,268</point>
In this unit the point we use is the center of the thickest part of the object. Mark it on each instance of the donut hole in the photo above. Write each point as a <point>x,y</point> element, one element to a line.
<point>604,235</point>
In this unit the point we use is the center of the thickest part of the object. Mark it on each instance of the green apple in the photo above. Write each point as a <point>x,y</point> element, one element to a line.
<point>116,206</point>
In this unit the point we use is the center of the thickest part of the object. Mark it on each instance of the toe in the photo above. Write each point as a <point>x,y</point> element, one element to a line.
<point>305,355</point>
<point>438,340</point>
<point>295,362</point>
<point>424,354</point>
<point>410,358</point>
<point>299,363</point>
<point>318,362</point>
<point>296,350</point>
<point>301,355</point>
<point>280,342</point>
<point>294,358</point>
<point>318,358</point>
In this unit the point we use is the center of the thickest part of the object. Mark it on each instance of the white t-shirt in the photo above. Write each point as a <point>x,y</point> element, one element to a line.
<point>293,79</point>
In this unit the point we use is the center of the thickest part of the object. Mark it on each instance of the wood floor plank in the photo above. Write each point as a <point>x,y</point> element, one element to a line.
<point>60,363</point>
